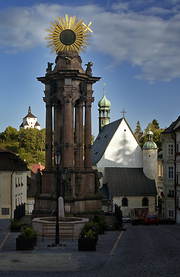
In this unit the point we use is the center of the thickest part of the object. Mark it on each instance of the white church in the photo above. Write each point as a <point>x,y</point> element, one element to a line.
<point>129,173</point>
<point>30,121</point>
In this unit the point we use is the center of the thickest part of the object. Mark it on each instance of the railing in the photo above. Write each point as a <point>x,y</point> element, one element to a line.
<point>19,212</point>
<point>118,214</point>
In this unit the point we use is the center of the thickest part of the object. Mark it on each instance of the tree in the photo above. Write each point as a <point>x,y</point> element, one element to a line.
<point>153,127</point>
<point>29,144</point>
<point>138,128</point>
<point>155,124</point>
<point>10,134</point>
<point>9,139</point>
<point>138,133</point>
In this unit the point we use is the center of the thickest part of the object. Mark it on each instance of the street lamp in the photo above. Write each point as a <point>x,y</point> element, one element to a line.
<point>57,157</point>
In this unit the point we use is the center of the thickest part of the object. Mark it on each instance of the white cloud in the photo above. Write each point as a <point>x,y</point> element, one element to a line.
<point>147,38</point>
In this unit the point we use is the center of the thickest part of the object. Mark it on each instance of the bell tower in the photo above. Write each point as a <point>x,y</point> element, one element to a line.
<point>68,99</point>
<point>104,111</point>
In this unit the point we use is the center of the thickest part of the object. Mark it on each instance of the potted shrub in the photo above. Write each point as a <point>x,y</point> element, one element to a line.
<point>15,226</point>
<point>87,241</point>
<point>27,239</point>
<point>101,224</point>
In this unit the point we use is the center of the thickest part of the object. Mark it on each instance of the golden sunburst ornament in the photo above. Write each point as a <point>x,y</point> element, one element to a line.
<point>68,34</point>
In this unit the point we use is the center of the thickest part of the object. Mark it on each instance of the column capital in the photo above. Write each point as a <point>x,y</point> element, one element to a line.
<point>88,101</point>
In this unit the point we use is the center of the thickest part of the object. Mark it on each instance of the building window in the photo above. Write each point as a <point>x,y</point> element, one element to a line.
<point>171,193</point>
<point>170,172</point>
<point>125,202</point>
<point>170,150</point>
<point>5,211</point>
<point>171,213</point>
<point>145,201</point>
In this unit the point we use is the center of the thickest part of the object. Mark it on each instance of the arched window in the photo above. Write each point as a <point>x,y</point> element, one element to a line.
<point>124,201</point>
<point>145,201</point>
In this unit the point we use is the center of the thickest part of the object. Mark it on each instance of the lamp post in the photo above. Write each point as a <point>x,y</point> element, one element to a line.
<point>57,157</point>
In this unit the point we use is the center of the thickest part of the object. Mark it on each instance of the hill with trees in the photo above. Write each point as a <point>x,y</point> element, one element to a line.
<point>29,144</point>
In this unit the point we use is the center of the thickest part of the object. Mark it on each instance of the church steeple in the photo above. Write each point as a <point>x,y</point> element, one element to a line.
<point>29,110</point>
<point>104,111</point>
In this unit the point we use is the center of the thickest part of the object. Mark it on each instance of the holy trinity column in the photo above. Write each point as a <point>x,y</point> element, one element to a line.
<point>68,99</point>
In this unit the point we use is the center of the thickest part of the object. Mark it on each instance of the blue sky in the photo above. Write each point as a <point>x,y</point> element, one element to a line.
<point>135,49</point>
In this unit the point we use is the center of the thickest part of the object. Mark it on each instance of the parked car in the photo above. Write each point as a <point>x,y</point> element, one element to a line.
<point>126,219</point>
<point>151,219</point>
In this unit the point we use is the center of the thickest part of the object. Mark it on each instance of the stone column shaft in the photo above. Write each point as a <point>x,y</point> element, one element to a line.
<point>79,135</point>
<point>57,126</point>
<point>87,138</point>
<point>68,137</point>
<point>48,134</point>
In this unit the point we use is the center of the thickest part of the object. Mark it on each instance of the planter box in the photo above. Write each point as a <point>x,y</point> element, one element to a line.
<point>15,228</point>
<point>24,243</point>
<point>87,244</point>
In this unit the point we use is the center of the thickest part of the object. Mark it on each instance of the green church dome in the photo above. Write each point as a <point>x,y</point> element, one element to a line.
<point>104,102</point>
<point>149,144</point>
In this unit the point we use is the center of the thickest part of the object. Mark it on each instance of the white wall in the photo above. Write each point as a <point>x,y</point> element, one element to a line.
<point>10,194</point>
<point>135,202</point>
<point>150,163</point>
<point>123,150</point>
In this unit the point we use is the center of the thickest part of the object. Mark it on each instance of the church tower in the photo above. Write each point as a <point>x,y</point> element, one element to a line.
<point>150,157</point>
<point>104,111</point>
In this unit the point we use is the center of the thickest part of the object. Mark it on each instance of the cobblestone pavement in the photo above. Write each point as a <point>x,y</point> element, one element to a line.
<point>140,251</point>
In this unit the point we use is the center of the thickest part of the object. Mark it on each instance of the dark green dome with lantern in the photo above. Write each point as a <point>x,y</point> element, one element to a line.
<point>149,144</point>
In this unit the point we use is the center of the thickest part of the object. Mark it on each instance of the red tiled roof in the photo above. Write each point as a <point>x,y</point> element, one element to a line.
<point>35,167</point>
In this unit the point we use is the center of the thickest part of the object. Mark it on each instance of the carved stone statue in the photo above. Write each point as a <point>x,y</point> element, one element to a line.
<point>38,182</point>
<point>97,182</point>
<point>49,68</point>
<point>68,187</point>
<point>89,69</point>
<point>78,180</point>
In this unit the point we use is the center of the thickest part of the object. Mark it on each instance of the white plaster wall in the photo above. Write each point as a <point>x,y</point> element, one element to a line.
<point>150,163</point>
<point>123,150</point>
<point>19,193</point>
<point>134,202</point>
<point>6,193</point>
<point>31,123</point>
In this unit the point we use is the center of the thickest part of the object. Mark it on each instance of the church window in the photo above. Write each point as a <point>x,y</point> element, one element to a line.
<point>124,201</point>
<point>145,201</point>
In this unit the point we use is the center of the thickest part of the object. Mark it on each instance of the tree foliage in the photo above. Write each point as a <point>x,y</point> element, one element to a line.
<point>154,127</point>
<point>29,144</point>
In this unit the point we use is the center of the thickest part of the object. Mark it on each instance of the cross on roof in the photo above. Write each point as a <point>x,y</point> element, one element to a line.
<point>123,113</point>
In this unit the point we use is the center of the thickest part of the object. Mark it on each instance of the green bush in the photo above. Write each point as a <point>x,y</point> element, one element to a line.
<point>102,226</point>
<point>28,232</point>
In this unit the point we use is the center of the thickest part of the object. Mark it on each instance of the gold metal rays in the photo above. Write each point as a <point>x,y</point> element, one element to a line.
<point>68,34</point>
